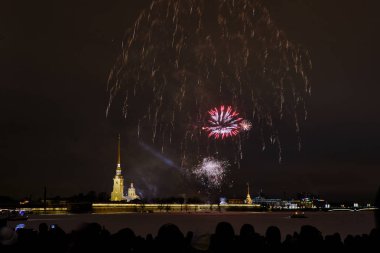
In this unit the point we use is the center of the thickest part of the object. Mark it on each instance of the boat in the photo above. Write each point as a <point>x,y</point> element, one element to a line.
<point>298,215</point>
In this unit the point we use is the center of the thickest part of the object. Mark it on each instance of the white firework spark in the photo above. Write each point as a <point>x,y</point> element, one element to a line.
<point>223,122</point>
<point>211,172</point>
<point>245,125</point>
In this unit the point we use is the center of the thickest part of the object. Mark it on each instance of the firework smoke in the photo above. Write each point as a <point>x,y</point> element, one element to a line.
<point>182,57</point>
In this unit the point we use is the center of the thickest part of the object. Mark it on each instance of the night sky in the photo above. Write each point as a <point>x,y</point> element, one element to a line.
<point>55,58</point>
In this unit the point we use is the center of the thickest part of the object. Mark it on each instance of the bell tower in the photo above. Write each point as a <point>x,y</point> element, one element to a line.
<point>248,199</point>
<point>118,181</point>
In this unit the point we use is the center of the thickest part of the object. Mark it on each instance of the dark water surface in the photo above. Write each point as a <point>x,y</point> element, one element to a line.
<point>343,222</point>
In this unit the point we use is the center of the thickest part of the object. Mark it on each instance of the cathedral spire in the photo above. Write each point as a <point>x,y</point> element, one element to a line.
<point>118,182</point>
<point>248,199</point>
<point>118,152</point>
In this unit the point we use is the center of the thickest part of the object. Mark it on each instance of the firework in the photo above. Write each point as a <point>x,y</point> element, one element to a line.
<point>245,125</point>
<point>211,172</point>
<point>223,122</point>
<point>183,57</point>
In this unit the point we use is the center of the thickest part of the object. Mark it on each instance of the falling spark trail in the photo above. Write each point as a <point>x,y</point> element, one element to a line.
<point>182,57</point>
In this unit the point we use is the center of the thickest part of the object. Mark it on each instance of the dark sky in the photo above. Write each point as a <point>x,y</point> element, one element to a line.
<point>55,57</point>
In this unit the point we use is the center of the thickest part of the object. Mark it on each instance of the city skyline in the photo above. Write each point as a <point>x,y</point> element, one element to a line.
<point>53,89</point>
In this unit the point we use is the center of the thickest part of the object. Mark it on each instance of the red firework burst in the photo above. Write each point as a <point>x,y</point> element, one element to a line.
<point>224,122</point>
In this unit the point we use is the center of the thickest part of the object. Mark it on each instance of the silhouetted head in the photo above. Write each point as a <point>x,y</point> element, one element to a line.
<point>224,238</point>
<point>334,242</point>
<point>310,235</point>
<point>88,230</point>
<point>189,236</point>
<point>288,238</point>
<point>170,238</point>
<point>224,230</point>
<point>43,228</point>
<point>149,237</point>
<point>125,236</point>
<point>273,235</point>
<point>168,232</point>
<point>247,231</point>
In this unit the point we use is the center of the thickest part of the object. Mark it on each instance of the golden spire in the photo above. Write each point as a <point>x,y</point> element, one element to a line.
<point>248,199</point>
<point>118,150</point>
<point>118,153</point>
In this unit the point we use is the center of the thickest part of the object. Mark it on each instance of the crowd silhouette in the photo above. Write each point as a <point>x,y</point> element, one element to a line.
<point>92,237</point>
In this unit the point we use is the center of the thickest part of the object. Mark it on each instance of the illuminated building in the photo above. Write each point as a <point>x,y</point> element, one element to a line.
<point>248,199</point>
<point>235,201</point>
<point>132,194</point>
<point>272,203</point>
<point>118,181</point>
